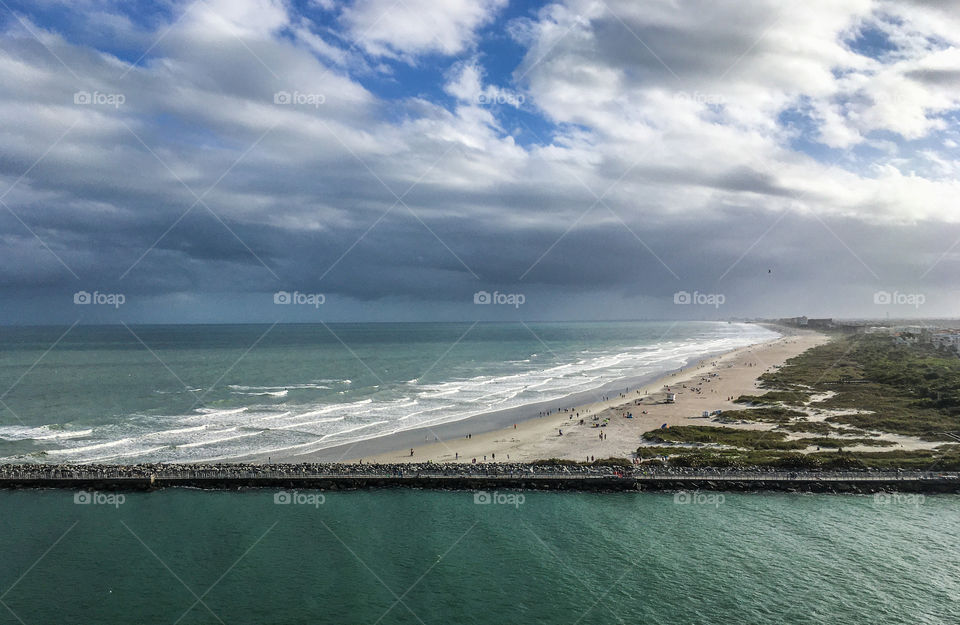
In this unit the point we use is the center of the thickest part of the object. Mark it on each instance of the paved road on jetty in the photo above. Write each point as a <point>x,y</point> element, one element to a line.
<point>469,477</point>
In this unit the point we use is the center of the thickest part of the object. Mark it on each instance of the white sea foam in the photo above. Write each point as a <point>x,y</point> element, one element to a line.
<point>287,387</point>
<point>293,428</point>
<point>41,433</point>
<point>282,393</point>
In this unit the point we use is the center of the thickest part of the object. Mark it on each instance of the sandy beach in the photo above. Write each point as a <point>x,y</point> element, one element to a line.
<point>707,385</point>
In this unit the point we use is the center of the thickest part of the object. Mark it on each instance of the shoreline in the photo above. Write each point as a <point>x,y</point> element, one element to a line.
<point>481,423</point>
<point>534,437</point>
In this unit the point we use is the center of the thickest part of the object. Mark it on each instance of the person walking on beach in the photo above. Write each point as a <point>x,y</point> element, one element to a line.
<point>411,452</point>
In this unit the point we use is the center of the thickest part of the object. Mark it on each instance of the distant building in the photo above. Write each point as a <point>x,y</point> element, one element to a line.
<point>909,329</point>
<point>949,339</point>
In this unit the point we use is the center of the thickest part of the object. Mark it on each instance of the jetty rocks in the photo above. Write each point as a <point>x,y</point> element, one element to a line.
<point>462,476</point>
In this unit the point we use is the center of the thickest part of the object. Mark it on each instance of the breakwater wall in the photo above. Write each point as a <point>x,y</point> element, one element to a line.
<point>465,477</point>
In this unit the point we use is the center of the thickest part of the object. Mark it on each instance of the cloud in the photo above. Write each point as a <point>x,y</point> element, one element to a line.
<point>466,84</point>
<point>625,153</point>
<point>702,88</point>
<point>409,28</point>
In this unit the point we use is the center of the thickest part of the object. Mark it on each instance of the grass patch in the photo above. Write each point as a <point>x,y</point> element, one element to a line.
<point>813,427</point>
<point>927,460</point>
<point>903,389</point>
<point>912,390</point>
<point>840,443</point>
<point>749,439</point>
<point>771,398</point>
<point>767,414</point>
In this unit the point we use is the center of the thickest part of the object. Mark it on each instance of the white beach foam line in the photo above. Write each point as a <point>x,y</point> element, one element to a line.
<point>214,441</point>
<point>213,413</point>
<point>282,393</point>
<point>221,411</point>
<point>41,433</point>
<point>291,426</point>
<point>304,448</point>
<point>128,454</point>
<point>192,428</point>
<point>286,387</point>
<point>64,435</point>
<point>85,448</point>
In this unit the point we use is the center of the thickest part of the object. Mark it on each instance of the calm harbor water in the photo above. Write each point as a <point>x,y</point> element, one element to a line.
<point>400,556</point>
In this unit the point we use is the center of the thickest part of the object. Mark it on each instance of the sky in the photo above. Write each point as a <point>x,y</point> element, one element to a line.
<point>402,160</point>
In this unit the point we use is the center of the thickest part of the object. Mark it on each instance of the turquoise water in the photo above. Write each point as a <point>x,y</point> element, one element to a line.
<point>200,393</point>
<point>552,558</point>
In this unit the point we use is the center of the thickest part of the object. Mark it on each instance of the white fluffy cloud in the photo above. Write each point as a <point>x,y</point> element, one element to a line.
<point>696,90</point>
<point>405,28</point>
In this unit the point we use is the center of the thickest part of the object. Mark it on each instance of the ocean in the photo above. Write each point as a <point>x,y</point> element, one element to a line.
<point>403,556</point>
<point>194,393</point>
